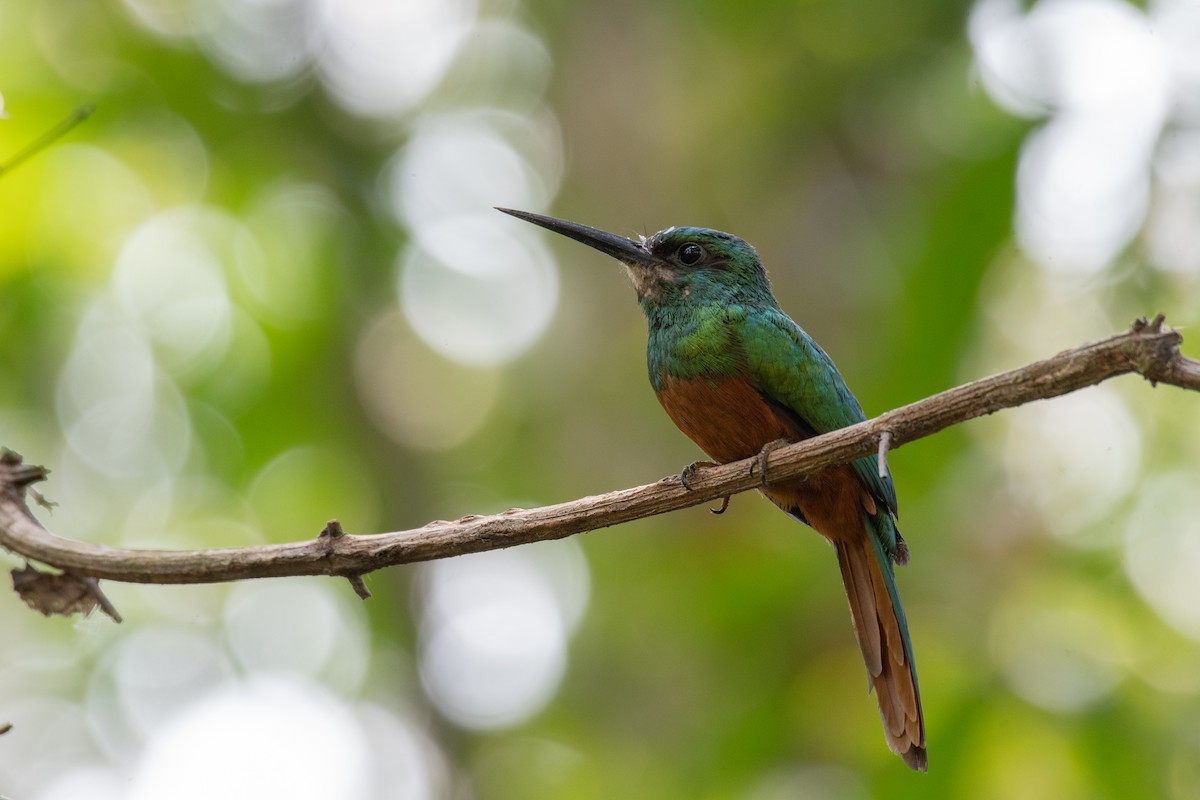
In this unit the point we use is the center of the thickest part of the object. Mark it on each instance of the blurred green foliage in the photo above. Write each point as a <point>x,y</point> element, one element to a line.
<point>852,143</point>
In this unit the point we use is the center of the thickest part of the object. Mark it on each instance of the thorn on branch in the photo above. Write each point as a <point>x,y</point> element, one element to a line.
<point>359,586</point>
<point>1161,360</point>
<point>101,598</point>
<point>331,531</point>
<point>42,500</point>
<point>330,534</point>
<point>20,474</point>
<point>1141,325</point>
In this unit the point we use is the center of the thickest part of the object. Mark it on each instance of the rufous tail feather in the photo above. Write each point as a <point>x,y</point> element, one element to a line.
<point>882,633</point>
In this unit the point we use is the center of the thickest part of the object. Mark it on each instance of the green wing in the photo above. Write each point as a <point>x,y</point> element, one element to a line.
<point>795,375</point>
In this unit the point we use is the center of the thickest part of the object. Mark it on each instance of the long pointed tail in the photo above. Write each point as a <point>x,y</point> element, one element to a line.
<point>882,633</point>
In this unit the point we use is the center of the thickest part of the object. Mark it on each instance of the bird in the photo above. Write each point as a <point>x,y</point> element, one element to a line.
<point>739,377</point>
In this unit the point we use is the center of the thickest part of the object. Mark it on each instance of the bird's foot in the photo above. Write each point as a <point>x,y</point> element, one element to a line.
<point>724,505</point>
<point>761,463</point>
<point>689,472</point>
<point>901,555</point>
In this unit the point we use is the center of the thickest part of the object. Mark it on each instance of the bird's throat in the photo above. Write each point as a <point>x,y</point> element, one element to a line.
<point>650,282</point>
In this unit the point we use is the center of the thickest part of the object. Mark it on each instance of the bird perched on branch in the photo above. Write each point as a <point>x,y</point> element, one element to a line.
<point>738,376</point>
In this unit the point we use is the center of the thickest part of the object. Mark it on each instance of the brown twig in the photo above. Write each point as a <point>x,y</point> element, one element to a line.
<point>1150,349</point>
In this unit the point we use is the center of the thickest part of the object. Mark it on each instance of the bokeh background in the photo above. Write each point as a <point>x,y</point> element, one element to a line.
<point>263,286</point>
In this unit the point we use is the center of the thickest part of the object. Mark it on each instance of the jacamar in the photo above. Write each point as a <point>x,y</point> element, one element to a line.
<point>737,375</point>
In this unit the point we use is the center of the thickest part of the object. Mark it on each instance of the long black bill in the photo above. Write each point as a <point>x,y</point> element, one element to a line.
<point>624,250</point>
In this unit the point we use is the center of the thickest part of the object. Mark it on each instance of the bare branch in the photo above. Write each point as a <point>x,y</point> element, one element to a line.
<point>1150,349</point>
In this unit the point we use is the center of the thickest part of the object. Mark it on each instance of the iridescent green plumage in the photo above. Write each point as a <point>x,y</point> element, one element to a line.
<point>726,321</point>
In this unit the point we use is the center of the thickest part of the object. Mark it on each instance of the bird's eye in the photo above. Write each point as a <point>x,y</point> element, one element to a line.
<point>690,254</point>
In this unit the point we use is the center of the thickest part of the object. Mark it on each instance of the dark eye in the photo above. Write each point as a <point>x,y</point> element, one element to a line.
<point>690,254</point>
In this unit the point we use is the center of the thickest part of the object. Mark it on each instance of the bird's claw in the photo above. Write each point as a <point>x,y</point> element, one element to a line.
<point>761,462</point>
<point>689,472</point>
<point>685,476</point>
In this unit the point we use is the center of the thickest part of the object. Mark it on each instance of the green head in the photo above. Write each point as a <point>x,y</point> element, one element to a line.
<point>676,266</point>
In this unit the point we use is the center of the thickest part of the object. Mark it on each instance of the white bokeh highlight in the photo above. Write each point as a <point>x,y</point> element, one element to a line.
<point>265,737</point>
<point>157,671</point>
<point>299,628</point>
<point>475,287</point>
<point>1063,658</point>
<point>1162,549</point>
<point>495,628</point>
<point>119,413</point>
<point>380,57</point>
<point>458,164</point>
<point>375,57</point>
<point>1083,189</point>
<point>1172,235</point>
<point>170,278</point>
<point>1102,74</point>
<point>450,404</point>
<point>1073,460</point>
<point>256,40</point>
<point>482,294</point>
